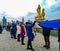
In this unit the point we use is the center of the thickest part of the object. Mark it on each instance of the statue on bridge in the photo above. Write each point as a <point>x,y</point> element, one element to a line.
<point>43,14</point>
<point>40,15</point>
<point>4,22</point>
<point>39,10</point>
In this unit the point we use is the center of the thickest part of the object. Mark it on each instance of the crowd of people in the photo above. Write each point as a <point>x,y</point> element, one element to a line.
<point>19,30</point>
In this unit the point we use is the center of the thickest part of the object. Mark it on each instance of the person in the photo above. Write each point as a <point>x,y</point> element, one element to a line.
<point>58,35</point>
<point>4,22</point>
<point>22,33</point>
<point>30,35</point>
<point>46,35</point>
<point>34,31</point>
<point>18,32</point>
<point>13,30</point>
<point>8,27</point>
<point>1,29</point>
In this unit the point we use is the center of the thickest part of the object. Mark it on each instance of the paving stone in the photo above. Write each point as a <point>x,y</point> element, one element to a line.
<point>8,44</point>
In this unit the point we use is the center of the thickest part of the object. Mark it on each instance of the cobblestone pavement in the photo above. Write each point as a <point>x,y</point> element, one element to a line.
<point>8,44</point>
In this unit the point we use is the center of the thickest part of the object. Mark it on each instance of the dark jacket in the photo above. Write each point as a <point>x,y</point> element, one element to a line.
<point>29,30</point>
<point>14,28</point>
<point>22,33</point>
<point>58,35</point>
<point>1,29</point>
<point>46,31</point>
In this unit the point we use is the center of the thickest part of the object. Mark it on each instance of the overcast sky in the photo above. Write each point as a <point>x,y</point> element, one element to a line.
<point>16,8</point>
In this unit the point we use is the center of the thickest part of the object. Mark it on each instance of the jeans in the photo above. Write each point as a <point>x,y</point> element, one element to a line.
<point>29,44</point>
<point>18,38</point>
<point>13,35</point>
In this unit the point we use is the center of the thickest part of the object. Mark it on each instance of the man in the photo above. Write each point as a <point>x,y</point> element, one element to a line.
<point>58,35</point>
<point>13,30</point>
<point>30,35</point>
<point>46,35</point>
<point>1,29</point>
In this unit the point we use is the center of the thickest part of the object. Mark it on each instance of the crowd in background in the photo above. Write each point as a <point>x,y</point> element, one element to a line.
<point>18,30</point>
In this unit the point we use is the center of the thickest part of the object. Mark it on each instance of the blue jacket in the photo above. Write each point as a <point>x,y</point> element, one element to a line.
<point>14,29</point>
<point>1,29</point>
<point>29,30</point>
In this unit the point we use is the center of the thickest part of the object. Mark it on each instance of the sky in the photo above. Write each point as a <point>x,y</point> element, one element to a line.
<point>17,8</point>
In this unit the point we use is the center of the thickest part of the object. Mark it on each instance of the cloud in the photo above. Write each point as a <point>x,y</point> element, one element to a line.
<point>17,8</point>
<point>30,16</point>
<point>50,2</point>
<point>53,8</point>
<point>54,15</point>
<point>43,3</point>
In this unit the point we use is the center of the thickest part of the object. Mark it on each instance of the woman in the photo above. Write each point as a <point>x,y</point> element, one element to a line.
<point>13,30</point>
<point>18,32</point>
<point>22,33</point>
<point>30,35</point>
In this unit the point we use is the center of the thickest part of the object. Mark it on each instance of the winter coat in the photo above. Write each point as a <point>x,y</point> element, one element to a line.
<point>18,30</point>
<point>46,31</point>
<point>29,30</point>
<point>22,32</point>
<point>13,28</point>
<point>1,29</point>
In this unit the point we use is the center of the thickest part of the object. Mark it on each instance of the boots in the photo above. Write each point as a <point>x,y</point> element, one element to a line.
<point>22,41</point>
<point>48,45</point>
<point>18,38</point>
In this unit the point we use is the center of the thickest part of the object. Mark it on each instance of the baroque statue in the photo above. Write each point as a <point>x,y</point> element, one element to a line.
<point>39,10</point>
<point>43,14</point>
<point>40,14</point>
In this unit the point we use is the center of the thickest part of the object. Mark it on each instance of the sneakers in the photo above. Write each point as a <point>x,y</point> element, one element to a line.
<point>15,38</point>
<point>11,37</point>
<point>18,40</point>
<point>46,46</point>
<point>23,44</point>
<point>30,49</point>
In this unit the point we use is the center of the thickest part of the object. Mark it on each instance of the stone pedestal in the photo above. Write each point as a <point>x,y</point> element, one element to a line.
<point>39,18</point>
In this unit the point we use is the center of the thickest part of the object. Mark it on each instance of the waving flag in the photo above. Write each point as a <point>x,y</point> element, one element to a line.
<point>50,24</point>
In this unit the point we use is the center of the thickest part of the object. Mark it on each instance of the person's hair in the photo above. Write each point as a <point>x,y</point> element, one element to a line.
<point>21,23</point>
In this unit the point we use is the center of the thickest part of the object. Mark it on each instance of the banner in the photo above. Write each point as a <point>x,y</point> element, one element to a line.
<point>50,23</point>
